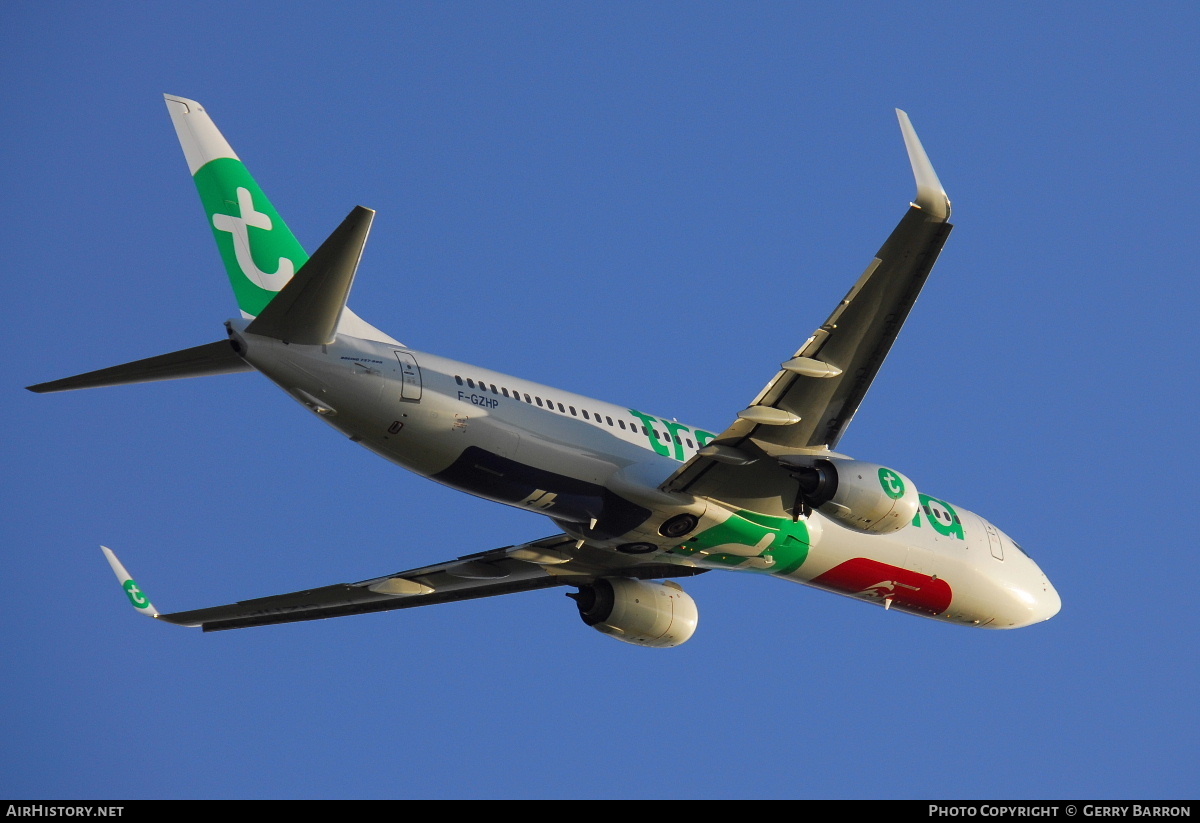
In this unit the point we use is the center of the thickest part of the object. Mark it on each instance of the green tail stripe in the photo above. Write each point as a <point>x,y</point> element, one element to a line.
<point>259,250</point>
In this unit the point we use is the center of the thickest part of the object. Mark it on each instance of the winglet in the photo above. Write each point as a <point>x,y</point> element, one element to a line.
<point>931,197</point>
<point>136,596</point>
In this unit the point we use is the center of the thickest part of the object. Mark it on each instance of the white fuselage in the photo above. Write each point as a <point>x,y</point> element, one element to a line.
<point>595,469</point>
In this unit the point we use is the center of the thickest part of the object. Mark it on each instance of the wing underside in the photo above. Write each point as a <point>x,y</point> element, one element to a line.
<point>552,561</point>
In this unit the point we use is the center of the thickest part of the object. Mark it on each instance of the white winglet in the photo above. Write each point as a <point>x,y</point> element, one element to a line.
<point>931,197</point>
<point>136,596</point>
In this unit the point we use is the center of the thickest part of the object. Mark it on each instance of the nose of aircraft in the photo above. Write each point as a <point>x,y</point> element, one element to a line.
<point>1032,597</point>
<point>1048,602</point>
<point>1023,593</point>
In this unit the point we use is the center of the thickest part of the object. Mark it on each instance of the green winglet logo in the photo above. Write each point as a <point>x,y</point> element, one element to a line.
<point>259,251</point>
<point>135,595</point>
<point>892,485</point>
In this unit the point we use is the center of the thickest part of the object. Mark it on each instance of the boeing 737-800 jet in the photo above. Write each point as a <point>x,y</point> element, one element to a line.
<point>639,500</point>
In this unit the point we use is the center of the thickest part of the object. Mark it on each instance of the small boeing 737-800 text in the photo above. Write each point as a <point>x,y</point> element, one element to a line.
<point>639,500</point>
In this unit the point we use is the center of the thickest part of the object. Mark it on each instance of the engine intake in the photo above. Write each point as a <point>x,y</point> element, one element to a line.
<point>865,497</point>
<point>641,612</point>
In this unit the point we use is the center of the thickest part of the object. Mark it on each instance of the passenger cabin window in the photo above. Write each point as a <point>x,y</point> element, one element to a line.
<point>608,420</point>
<point>539,400</point>
<point>470,382</point>
<point>621,422</point>
<point>504,390</point>
<point>561,409</point>
<point>458,380</point>
<point>527,400</point>
<point>585,416</point>
<point>573,414</point>
<point>493,386</point>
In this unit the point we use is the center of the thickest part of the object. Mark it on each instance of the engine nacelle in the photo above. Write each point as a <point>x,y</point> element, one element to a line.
<point>862,496</point>
<point>641,612</point>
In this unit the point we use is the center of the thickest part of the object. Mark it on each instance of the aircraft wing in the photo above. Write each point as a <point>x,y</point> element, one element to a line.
<point>810,401</point>
<point>540,564</point>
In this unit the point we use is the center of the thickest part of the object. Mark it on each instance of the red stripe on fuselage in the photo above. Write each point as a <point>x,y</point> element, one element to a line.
<point>872,580</point>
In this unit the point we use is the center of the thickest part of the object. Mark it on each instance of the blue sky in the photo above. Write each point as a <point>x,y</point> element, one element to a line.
<point>648,203</point>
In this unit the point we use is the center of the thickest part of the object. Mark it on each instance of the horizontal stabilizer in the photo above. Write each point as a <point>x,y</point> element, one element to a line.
<point>308,308</point>
<point>211,358</point>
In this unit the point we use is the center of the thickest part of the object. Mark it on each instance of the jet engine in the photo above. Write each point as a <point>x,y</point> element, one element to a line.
<point>640,612</point>
<point>865,497</point>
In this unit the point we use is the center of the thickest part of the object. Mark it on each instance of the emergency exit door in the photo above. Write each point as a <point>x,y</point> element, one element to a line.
<point>410,377</point>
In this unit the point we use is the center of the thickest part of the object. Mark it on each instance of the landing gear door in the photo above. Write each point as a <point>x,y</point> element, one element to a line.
<point>410,377</point>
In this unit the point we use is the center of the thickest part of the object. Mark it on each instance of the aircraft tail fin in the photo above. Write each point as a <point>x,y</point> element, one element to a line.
<point>260,253</point>
<point>211,358</point>
<point>309,308</point>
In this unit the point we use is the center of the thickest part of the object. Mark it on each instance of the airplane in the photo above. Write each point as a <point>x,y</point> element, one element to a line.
<point>640,501</point>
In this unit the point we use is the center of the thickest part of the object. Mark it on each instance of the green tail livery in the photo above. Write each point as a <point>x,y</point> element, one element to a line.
<point>260,252</point>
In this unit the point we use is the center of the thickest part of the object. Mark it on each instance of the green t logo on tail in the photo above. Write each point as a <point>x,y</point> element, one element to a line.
<point>136,597</point>
<point>259,251</point>
<point>239,228</point>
